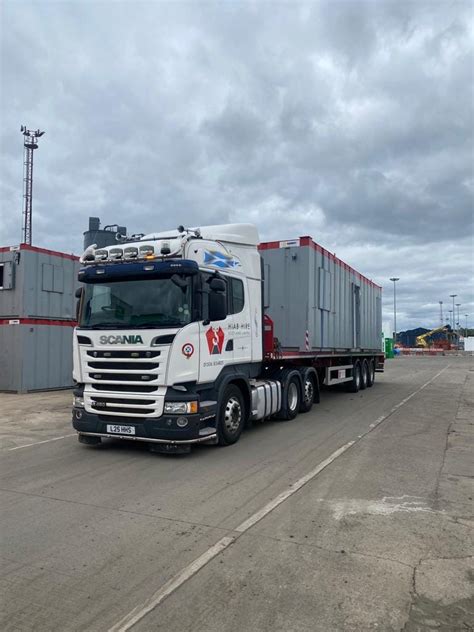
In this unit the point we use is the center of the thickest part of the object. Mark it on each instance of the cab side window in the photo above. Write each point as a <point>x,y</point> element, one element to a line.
<point>237,296</point>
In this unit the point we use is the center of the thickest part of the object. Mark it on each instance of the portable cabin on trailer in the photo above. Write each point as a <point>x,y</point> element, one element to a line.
<point>317,302</point>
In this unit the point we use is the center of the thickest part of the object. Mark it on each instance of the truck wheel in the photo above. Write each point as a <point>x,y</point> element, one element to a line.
<point>231,418</point>
<point>309,390</point>
<point>88,440</point>
<point>371,374</point>
<point>291,396</point>
<point>354,385</point>
<point>364,375</point>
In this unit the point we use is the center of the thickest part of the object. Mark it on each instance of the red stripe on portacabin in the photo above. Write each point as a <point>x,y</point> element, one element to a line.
<point>308,241</point>
<point>38,321</point>
<point>269,245</point>
<point>44,251</point>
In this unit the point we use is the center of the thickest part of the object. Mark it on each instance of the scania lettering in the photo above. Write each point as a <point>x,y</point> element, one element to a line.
<point>120,340</point>
<point>187,336</point>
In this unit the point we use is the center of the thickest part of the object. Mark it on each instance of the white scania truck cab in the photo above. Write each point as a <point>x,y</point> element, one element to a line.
<point>170,346</point>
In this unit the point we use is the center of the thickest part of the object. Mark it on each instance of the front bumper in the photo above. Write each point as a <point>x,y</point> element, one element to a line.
<point>201,426</point>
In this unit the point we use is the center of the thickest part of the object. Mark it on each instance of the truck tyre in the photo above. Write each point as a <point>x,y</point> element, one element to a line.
<point>231,418</point>
<point>371,374</point>
<point>291,396</point>
<point>364,375</point>
<point>354,385</point>
<point>310,390</point>
<point>88,440</point>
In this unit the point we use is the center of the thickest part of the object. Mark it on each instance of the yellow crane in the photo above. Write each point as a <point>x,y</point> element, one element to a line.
<point>421,340</point>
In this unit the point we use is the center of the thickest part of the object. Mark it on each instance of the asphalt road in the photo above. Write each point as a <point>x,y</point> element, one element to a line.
<point>377,536</point>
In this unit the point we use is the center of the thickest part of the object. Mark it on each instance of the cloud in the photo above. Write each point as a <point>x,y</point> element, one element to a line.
<point>349,121</point>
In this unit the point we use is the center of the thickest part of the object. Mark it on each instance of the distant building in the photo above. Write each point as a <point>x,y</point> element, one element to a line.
<point>102,237</point>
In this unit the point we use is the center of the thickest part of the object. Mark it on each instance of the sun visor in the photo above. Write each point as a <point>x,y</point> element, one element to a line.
<point>136,271</point>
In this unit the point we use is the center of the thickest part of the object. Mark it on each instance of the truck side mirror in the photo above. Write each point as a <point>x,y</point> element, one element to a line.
<point>217,285</point>
<point>217,305</point>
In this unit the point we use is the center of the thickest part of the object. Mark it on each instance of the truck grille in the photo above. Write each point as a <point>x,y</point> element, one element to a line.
<point>129,366</point>
<point>116,379</point>
<point>138,366</point>
<point>113,400</point>
<point>124,388</point>
<point>127,406</point>
<point>124,354</point>
<point>124,377</point>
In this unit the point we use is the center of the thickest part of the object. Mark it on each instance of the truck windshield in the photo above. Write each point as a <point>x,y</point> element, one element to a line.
<point>136,304</point>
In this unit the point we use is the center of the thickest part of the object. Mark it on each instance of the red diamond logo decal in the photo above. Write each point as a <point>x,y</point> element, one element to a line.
<point>215,340</point>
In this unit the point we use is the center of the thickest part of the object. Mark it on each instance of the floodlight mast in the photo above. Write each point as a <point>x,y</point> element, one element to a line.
<point>30,138</point>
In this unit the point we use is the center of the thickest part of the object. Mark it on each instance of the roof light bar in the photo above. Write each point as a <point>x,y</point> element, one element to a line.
<point>101,255</point>
<point>146,250</point>
<point>116,253</point>
<point>130,253</point>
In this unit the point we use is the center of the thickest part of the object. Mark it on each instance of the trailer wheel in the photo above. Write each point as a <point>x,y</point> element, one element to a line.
<point>231,419</point>
<point>371,374</point>
<point>310,390</point>
<point>291,396</point>
<point>354,385</point>
<point>364,375</point>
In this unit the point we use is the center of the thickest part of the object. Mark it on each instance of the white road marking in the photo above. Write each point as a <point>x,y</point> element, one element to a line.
<point>175,582</point>
<point>28,445</point>
<point>294,487</point>
<point>140,611</point>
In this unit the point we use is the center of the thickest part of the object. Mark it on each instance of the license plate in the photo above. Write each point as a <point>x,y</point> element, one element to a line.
<point>122,430</point>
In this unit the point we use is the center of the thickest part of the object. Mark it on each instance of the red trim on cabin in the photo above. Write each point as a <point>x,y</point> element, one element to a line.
<point>307,241</point>
<point>38,321</point>
<point>44,251</point>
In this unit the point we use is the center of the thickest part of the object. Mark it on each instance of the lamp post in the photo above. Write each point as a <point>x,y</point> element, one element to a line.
<point>458,305</point>
<point>30,143</point>
<point>453,296</point>
<point>394,280</point>
<point>465,327</point>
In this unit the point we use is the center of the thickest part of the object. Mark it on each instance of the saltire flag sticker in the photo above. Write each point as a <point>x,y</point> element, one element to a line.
<point>220,260</point>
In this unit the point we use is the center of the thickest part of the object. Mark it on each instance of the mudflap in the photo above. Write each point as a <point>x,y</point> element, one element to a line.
<point>170,448</point>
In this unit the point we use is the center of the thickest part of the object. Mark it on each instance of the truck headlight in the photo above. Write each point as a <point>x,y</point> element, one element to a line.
<point>78,402</point>
<point>181,408</point>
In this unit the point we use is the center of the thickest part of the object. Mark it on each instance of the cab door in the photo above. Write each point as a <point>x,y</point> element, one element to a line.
<point>216,347</point>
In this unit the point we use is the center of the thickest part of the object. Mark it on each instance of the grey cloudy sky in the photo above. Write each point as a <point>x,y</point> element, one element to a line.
<point>348,121</point>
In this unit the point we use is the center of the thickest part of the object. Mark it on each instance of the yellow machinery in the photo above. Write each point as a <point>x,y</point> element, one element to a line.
<point>421,341</point>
